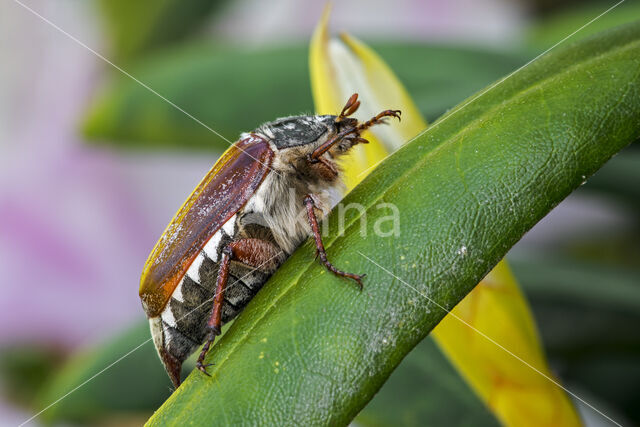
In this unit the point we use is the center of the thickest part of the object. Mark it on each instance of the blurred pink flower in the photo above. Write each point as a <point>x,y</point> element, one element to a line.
<point>76,222</point>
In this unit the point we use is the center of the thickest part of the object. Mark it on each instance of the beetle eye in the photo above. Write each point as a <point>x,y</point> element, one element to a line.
<point>346,123</point>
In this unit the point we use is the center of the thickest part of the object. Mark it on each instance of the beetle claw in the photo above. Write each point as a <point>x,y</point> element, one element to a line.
<point>203,368</point>
<point>396,114</point>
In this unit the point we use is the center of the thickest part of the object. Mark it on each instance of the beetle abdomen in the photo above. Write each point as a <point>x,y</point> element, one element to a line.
<point>185,316</point>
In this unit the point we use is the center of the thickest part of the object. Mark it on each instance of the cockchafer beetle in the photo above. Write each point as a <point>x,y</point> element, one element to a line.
<point>240,224</point>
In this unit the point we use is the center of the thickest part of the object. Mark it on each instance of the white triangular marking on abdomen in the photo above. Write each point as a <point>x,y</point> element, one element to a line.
<point>211,248</point>
<point>194,270</point>
<point>229,227</point>
<point>167,316</point>
<point>177,294</point>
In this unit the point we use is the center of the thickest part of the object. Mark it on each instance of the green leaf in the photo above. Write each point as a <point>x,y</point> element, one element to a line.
<point>136,27</point>
<point>425,390</point>
<point>233,91</point>
<point>311,349</point>
<point>113,390</point>
<point>25,369</point>
<point>619,178</point>
<point>563,290</point>
<point>92,380</point>
<point>562,280</point>
<point>229,91</point>
<point>557,26</point>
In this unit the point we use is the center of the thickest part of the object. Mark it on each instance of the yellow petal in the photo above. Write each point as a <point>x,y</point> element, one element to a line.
<point>340,68</point>
<point>327,97</point>
<point>381,90</point>
<point>516,393</point>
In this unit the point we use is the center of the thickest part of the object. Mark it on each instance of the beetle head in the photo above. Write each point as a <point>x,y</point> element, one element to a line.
<point>320,138</point>
<point>348,130</point>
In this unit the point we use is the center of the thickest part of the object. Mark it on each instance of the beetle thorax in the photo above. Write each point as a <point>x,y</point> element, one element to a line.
<point>279,200</point>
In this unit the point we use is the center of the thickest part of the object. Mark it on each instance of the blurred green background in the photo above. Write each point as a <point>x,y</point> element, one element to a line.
<point>96,164</point>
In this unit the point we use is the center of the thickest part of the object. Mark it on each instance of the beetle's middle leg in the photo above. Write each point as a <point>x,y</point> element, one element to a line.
<point>320,251</point>
<point>256,253</point>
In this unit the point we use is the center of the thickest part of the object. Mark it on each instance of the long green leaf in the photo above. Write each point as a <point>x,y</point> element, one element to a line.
<point>311,349</point>
<point>425,390</point>
<point>618,178</point>
<point>233,91</point>
<point>113,392</point>
<point>136,27</point>
<point>556,26</point>
<point>425,375</point>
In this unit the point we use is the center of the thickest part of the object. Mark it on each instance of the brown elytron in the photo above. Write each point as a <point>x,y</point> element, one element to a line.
<point>223,191</point>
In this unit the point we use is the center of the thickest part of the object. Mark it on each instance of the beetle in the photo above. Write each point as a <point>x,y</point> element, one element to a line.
<point>240,224</point>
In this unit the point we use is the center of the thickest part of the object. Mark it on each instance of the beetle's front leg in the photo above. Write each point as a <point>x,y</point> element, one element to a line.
<point>313,222</point>
<point>259,254</point>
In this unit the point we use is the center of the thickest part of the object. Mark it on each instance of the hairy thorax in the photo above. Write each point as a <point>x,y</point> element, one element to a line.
<point>279,200</point>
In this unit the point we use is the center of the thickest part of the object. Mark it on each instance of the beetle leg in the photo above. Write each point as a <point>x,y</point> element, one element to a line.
<point>313,221</point>
<point>257,253</point>
<point>378,119</point>
<point>215,320</point>
<point>315,156</point>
